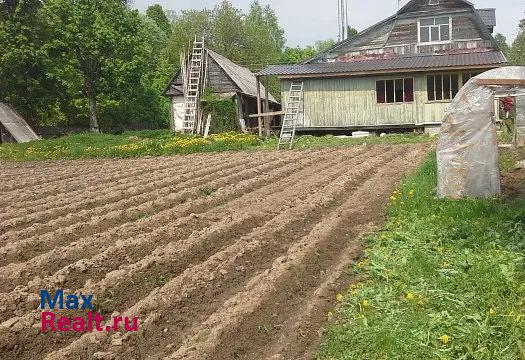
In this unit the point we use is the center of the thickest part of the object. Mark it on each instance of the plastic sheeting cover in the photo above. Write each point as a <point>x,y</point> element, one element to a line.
<point>467,152</point>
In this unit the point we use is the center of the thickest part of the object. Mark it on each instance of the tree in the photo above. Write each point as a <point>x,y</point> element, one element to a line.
<point>99,42</point>
<point>517,52</point>
<point>297,55</point>
<point>351,32</point>
<point>323,45</point>
<point>157,14</point>
<point>24,83</point>
<point>501,40</point>
<point>229,37</point>
<point>264,37</point>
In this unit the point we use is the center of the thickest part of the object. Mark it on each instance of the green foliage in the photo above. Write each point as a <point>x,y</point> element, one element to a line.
<point>163,142</point>
<point>157,14</point>
<point>253,39</point>
<point>517,52</point>
<point>352,32</point>
<point>55,56</point>
<point>443,280</point>
<point>501,40</point>
<point>298,54</point>
<point>222,111</point>
<point>125,145</point>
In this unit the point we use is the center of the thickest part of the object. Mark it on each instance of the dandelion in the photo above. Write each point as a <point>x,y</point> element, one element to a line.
<point>492,311</point>
<point>393,198</point>
<point>353,293</point>
<point>445,339</point>
<point>365,303</point>
<point>410,296</point>
<point>361,264</point>
<point>330,315</point>
<point>340,297</point>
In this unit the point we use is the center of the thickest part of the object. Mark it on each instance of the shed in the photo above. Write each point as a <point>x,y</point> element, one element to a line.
<point>226,78</point>
<point>13,128</point>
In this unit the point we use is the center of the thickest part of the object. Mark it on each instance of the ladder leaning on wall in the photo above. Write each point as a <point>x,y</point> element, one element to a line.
<point>193,88</point>
<point>291,115</point>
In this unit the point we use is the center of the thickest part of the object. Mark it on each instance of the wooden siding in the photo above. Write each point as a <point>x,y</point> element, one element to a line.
<point>351,102</point>
<point>443,6</point>
<point>218,80</point>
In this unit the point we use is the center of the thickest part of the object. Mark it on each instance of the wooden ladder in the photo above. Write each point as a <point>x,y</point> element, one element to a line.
<point>193,89</point>
<point>291,115</point>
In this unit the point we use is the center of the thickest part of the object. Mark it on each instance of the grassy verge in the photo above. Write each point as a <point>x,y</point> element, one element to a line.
<point>155,143</point>
<point>443,280</point>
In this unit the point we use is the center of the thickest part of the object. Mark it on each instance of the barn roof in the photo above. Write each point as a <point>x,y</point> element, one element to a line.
<point>16,125</point>
<point>243,78</point>
<point>395,64</point>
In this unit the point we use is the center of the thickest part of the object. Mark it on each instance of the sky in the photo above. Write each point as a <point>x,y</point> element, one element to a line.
<point>306,21</point>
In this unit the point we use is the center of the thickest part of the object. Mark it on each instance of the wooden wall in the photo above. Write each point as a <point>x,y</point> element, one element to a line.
<point>351,102</point>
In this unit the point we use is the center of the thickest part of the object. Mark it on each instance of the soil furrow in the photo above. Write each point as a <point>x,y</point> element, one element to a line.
<point>241,258</point>
<point>273,295</point>
<point>88,198</point>
<point>202,272</point>
<point>161,183</point>
<point>51,261</point>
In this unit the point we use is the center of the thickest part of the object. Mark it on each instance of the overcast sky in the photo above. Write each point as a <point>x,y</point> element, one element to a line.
<point>306,21</point>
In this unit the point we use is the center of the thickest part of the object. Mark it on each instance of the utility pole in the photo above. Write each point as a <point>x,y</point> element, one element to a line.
<point>342,19</point>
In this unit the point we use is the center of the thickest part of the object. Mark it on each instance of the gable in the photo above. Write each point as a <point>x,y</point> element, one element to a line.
<point>402,34</point>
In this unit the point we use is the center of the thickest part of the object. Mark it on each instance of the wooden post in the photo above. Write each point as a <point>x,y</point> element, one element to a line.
<point>268,119</point>
<point>259,110</point>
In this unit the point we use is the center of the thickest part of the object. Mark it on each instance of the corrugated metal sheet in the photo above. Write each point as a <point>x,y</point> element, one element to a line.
<point>17,127</point>
<point>488,16</point>
<point>413,63</point>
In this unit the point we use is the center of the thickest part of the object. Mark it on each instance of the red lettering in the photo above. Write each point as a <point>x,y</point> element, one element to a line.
<point>116,321</point>
<point>98,320</point>
<point>135,326</point>
<point>63,324</point>
<point>48,318</point>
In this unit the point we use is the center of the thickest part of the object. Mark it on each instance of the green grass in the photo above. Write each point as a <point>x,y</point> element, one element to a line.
<point>162,142</point>
<point>443,280</point>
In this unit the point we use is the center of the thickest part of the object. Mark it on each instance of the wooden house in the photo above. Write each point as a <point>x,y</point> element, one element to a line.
<point>400,73</point>
<point>227,79</point>
<point>13,128</point>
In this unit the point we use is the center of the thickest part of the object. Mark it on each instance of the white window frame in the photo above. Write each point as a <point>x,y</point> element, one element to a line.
<point>430,33</point>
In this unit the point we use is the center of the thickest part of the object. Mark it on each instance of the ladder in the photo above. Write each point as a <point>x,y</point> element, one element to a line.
<point>193,89</point>
<point>291,115</point>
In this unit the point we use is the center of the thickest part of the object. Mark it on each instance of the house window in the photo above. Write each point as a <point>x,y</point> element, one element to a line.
<point>436,29</point>
<point>442,87</point>
<point>467,76</point>
<point>395,91</point>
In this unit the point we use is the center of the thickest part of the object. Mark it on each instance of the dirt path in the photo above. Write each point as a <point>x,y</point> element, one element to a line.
<point>222,256</point>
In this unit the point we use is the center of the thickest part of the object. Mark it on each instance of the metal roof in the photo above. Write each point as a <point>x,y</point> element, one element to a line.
<point>15,125</point>
<point>401,63</point>
<point>488,16</point>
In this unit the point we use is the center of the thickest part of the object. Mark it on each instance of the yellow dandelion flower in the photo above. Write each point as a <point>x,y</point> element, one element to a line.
<point>365,303</point>
<point>492,311</point>
<point>410,296</point>
<point>340,297</point>
<point>361,264</point>
<point>330,315</point>
<point>445,339</point>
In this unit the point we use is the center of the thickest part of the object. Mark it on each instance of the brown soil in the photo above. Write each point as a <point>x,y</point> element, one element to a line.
<point>513,184</point>
<point>222,256</point>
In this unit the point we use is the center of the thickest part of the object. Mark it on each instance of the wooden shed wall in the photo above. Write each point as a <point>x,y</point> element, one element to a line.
<point>351,102</point>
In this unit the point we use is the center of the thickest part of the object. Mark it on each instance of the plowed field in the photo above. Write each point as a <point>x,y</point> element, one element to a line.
<point>221,256</point>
